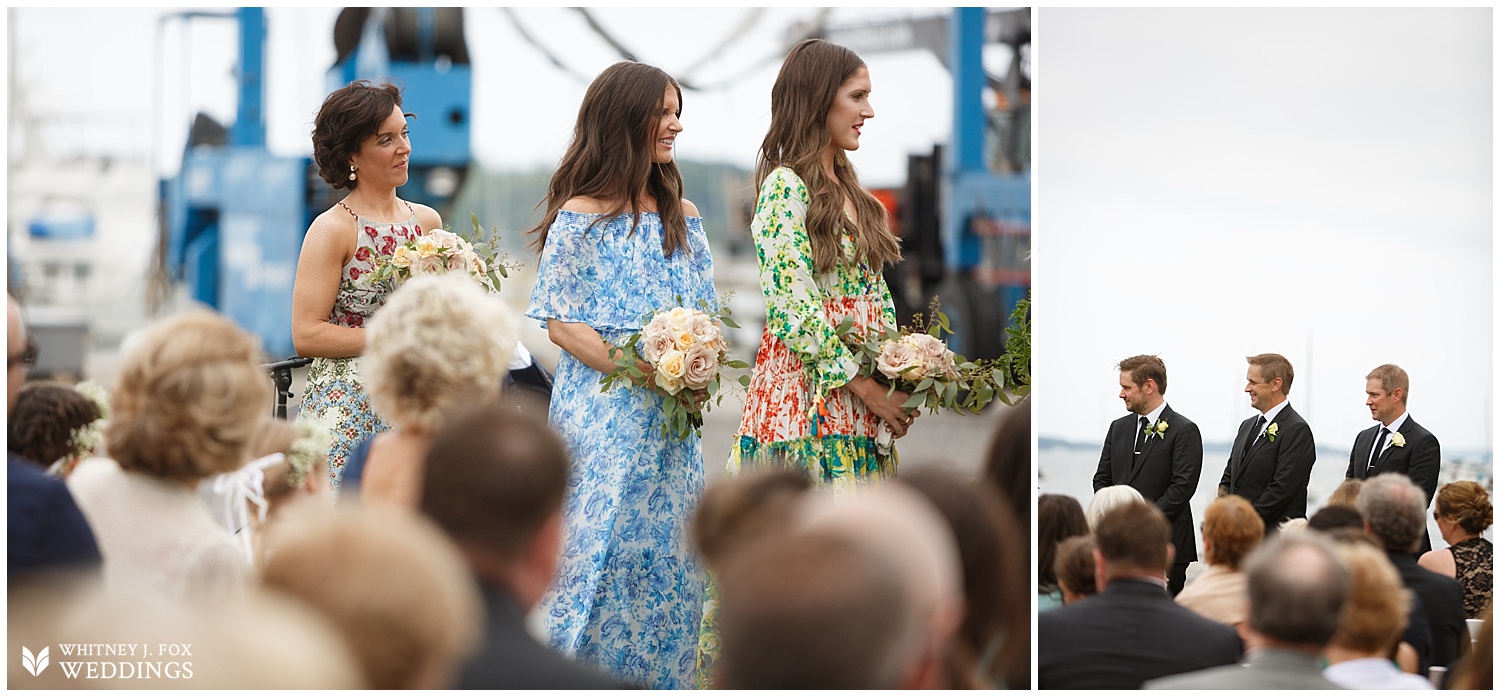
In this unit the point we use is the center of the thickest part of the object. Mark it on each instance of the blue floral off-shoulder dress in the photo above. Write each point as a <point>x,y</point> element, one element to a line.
<point>628,595</point>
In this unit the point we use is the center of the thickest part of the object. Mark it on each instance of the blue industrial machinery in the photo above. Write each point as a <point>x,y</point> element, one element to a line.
<point>234,216</point>
<point>965,212</point>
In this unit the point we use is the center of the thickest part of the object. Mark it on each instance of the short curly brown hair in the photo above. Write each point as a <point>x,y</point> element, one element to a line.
<point>42,423</point>
<point>190,396</point>
<point>348,116</point>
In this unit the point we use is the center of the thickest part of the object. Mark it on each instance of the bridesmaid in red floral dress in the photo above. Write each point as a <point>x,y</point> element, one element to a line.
<point>360,143</point>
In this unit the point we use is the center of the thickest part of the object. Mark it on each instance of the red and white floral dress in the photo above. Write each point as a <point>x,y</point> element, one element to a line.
<point>335,394</point>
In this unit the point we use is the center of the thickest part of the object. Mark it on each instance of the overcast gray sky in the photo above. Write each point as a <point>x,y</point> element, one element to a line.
<point>95,78</point>
<point>1212,184</point>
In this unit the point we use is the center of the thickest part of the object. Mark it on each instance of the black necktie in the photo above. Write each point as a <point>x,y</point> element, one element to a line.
<point>1375,452</point>
<point>1255,432</point>
<point>1140,436</point>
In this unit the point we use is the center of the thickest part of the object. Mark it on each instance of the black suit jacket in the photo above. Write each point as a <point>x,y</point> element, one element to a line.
<point>1127,634</point>
<point>511,660</point>
<point>1418,459</point>
<point>46,531</point>
<point>1166,472</point>
<point>1443,600</point>
<point>1273,474</point>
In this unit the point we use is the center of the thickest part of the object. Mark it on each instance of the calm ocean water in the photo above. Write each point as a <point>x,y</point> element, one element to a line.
<point>1070,471</point>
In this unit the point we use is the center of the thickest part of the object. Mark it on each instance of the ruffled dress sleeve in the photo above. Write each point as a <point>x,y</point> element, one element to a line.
<point>795,311</point>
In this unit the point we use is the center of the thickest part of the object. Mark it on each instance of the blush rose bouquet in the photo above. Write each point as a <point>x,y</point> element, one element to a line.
<point>917,361</point>
<point>442,251</point>
<point>683,351</point>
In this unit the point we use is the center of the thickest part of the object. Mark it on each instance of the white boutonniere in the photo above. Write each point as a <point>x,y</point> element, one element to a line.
<point>1271,432</point>
<point>1158,429</point>
<point>1398,440</point>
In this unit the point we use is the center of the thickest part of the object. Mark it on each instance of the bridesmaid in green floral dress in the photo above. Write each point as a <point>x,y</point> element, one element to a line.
<point>822,242</point>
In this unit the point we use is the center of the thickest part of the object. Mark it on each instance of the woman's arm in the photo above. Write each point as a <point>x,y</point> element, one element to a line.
<point>325,250</point>
<point>585,344</point>
<point>794,306</point>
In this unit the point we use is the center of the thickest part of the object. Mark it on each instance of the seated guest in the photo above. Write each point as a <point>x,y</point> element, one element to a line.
<point>1075,569</point>
<point>731,514</point>
<point>1395,515</point>
<point>1058,518</point>
<point>45,528</point>
<point>290,467</point>
<point>814,610</point>
<point>1108,499</point>
<point>188,399</point>
<point>440,341</point>
<point>1007,464</point>
<point>1131,631</point>
<point>54,425</point>
<point>1359,657</point>
<point>1346,494</point>
<point>1231,530</point>
<point>1335,516</point>
<point>1298,586</point>
<point>904,528</point>
<point>388,581</point>
<point>1463,512</point>
<point>993,646</point>
<point>493,481</point>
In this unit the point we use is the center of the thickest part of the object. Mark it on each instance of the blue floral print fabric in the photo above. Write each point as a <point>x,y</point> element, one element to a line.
<point>628,594</point>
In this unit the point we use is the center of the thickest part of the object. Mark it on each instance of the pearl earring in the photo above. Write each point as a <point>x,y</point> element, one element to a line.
<point>351,172</point>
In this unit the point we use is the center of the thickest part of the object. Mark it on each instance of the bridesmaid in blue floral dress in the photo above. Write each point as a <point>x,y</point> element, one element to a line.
<point>360,143</point>
<point>617,243</point>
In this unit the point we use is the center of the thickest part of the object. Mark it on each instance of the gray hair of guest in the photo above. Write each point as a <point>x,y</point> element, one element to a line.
<point>1395,509</point>
<point>1298,587</point>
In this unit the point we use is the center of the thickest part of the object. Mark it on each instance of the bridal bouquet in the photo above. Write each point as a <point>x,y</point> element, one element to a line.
<point>683,351</point>
<point>441,251</point>
<point>915,360</point>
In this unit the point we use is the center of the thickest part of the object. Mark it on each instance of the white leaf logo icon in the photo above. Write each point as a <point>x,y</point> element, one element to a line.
<point>34,664</point>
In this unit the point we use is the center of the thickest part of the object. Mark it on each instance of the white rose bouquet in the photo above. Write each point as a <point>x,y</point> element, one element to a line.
<point>915,360</point>
<point>441,251</point>
<point>683,352</point>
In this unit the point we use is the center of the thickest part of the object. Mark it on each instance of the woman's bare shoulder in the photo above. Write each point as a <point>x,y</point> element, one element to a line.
<point>586,204</point>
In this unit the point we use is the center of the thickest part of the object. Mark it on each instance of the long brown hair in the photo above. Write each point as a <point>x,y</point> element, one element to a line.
<point>610,156</point>
<point>804,91</point>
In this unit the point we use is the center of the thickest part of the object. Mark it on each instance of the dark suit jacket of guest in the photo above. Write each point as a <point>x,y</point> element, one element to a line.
<point>510,659</point>
<point>1443,600</point>
<point>1166,472</point>
<point>1265,669</point>
<point>46,529</point>
<point>1273,475</point>
<point>1418,459</point>
<point>1127,634</point>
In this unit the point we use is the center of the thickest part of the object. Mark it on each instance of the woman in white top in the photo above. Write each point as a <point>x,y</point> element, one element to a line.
<point>187,402</point>
<point>1360,655</point>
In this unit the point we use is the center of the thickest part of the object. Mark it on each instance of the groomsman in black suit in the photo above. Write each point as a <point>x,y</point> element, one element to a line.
<point>1273,452</point>
<point>1397,444</point>
<point>1158,452</point>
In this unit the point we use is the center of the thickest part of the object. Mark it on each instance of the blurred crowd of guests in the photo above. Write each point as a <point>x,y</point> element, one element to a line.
<point>1341,600</point>
<point>191,517</point>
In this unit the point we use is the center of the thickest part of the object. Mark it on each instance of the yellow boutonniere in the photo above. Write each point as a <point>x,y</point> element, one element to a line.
<point>1398,440</point>
<point>1271,432</point>
<point>1158,429</point>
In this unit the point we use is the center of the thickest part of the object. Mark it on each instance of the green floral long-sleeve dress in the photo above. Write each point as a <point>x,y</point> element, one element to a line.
<point>797,410</point>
